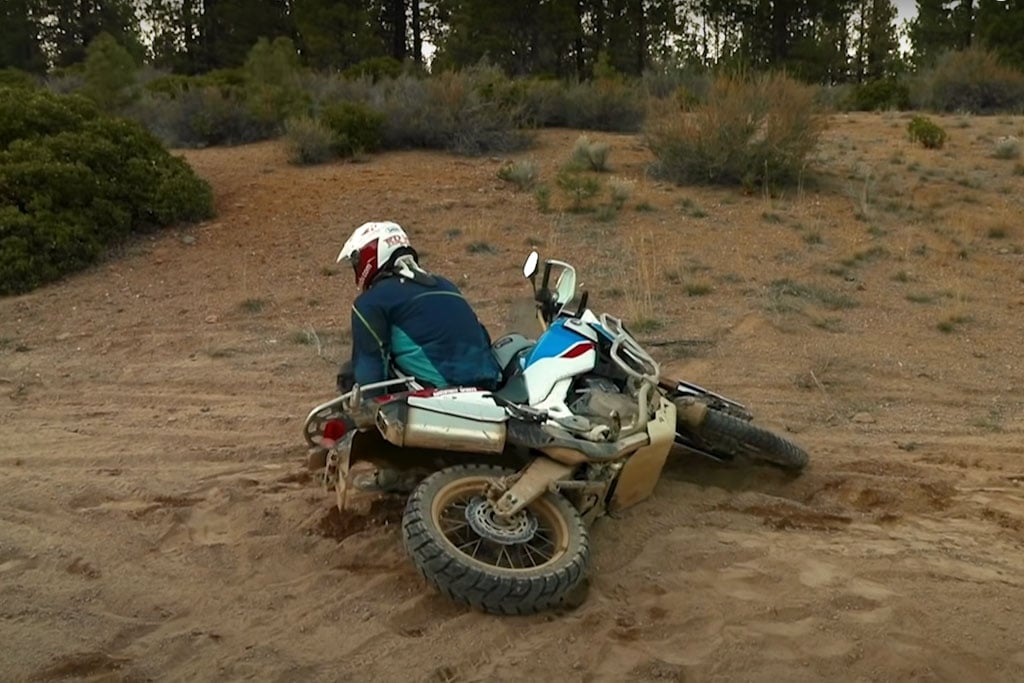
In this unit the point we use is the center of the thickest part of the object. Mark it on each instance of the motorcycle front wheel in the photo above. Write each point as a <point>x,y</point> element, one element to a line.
<point>527,563</point>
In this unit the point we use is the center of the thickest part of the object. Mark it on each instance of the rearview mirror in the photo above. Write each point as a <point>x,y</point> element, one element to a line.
<point>530,267</point>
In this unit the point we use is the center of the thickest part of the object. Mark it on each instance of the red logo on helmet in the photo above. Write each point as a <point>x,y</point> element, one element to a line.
<point>367,264</point>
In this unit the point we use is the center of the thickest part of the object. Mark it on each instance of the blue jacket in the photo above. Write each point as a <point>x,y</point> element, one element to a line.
<point>427,331</point>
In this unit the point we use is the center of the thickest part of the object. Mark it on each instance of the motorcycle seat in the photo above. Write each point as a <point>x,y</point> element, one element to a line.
<point>508,352</point>
<point>514,390</point>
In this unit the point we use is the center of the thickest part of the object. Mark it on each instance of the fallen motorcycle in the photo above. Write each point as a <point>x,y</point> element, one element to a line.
<point>511,479</point>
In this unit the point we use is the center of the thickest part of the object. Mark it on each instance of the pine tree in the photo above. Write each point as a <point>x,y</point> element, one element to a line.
<point>934,31</point>
<point>877,42</point>
<point>999,25</point>
<point>20,44</point>
<point>335,34</point>
<point>73,24</point>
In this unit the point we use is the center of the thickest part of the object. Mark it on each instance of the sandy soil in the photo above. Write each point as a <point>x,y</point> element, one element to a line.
<point>157,522</point>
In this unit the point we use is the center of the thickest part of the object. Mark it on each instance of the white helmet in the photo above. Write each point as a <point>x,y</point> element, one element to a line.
<point>372,247</point>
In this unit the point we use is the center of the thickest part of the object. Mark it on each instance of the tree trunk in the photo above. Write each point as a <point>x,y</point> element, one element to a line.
<point>417,33</point>
<point>580,57</point>
<point>399,45</point>
<point>641,36</point>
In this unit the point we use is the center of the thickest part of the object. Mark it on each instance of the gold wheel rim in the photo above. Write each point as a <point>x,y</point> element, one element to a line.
<point>548,544</point>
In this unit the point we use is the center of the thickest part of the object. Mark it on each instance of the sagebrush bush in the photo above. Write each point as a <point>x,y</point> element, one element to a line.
<point>757,131</point>
<point>835,96</point>
<point>971,80</point>
<point>227,106</point>
<point>930,134</point>
<point>589,155</point>
<point>448,111</point>
<point>619,191</point>
<point>73,182</point>
<point>1007,148</point>
<point>605,104</point>
<point>522,174</point>
<point>672,80</point>
<point>308,140</point>
<point>355,128</point>
<point>202,115</point>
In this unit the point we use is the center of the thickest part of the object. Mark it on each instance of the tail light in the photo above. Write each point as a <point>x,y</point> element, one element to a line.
<point>334,431</point>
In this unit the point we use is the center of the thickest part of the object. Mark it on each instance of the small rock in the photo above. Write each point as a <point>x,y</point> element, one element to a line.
<point>863,418</point>
<point>188,239</point>
<point>211,319</point>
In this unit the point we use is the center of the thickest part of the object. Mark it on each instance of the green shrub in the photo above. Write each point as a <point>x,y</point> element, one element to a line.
<point>880,94</point>
<point>354,127</point>
<point>757,131</point>
<point>309,141</point>
<point>17,79</point>
<point>971,80</point>
<point>77,182</point>
<point>580,188</point>
<point>375,68</point>
<point>927,132</point>
<point>37,114</point>
<point>110,73</point>
<point>589,155</point>
<point>543,196</point>
<point>273,87</point>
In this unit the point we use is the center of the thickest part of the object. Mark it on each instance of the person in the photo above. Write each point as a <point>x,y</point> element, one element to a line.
<point>408,319</point>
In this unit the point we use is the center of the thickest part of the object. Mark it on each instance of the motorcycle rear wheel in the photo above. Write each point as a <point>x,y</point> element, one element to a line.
<point>527,564</point>
<point>731,436</point>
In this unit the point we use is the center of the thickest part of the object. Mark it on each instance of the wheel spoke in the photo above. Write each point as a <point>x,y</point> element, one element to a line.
<point>545,556</point>
<point>526,549</point>
<point>472,542</point>
<point>455,525</point>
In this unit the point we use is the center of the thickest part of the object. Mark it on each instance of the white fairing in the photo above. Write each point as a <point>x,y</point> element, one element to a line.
<point>545,375</point>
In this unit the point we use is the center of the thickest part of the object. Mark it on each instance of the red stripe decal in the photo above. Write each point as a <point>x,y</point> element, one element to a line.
<point>577,350</point>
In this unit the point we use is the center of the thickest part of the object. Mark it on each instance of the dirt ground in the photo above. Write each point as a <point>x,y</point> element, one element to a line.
<point>157,521</point>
